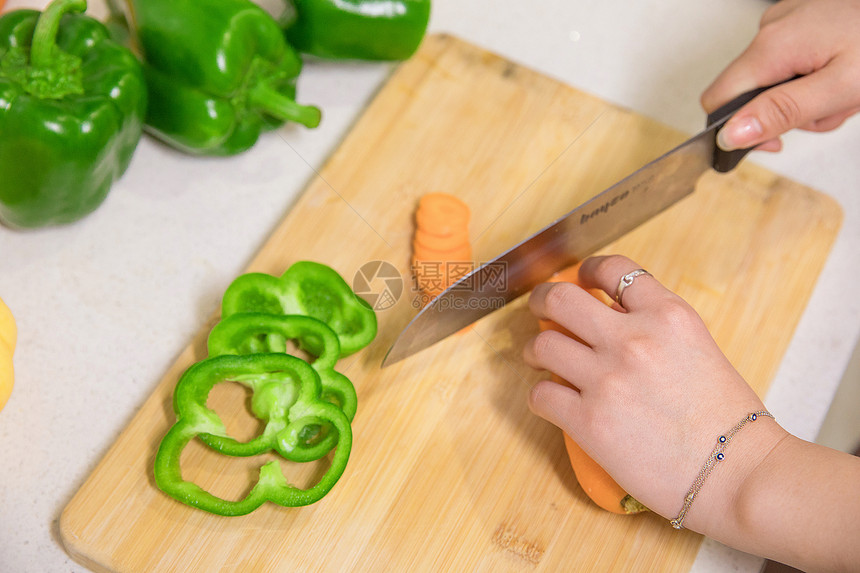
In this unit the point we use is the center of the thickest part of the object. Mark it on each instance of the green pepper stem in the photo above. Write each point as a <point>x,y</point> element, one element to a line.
<point>45,35</point>
<point>281,107</point>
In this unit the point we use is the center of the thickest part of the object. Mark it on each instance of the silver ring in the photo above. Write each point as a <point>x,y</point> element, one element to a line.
<point>626,281</point>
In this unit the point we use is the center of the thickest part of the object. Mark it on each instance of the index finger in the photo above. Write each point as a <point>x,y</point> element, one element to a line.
<point>571,307</point>
<point>773,55</point>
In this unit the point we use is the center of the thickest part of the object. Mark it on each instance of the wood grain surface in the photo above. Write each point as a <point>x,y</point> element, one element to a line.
<point>449,469</point>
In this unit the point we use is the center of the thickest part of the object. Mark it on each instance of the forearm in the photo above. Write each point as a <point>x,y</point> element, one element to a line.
<point>800,505</point>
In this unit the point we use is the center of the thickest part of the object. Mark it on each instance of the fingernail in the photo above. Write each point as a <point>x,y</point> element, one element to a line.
<point>739,133</point>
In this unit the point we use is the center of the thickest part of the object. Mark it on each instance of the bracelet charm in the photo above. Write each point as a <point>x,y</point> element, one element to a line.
<point>717,455</point>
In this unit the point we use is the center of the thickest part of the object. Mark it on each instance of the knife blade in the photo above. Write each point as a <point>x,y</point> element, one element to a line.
<point>607,216</point>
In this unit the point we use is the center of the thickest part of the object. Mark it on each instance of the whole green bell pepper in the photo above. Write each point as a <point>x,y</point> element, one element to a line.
<point>357,29</point>
<point>72,105</point>
<point>219,73</point>
<point>310,289</point>
<point>287,396</point>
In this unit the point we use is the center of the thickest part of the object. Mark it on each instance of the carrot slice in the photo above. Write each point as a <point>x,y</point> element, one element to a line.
<point>444,203</point>
<point>460,254</point>
<point>441,242</point>
<point>441,250</point>
<point>441,219</point>
<point>442,214</point>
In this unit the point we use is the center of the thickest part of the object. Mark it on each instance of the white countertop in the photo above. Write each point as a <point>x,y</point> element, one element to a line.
<point>105,305</point>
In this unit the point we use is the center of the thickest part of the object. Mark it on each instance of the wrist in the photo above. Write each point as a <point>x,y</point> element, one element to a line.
<point>721,507</point>
<point>799,507</point>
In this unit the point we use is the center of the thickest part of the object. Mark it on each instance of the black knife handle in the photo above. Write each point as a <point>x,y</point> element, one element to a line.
<point>725,161</point>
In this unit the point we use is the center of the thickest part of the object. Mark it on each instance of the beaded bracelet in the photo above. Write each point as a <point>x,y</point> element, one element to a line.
<point>717,455</point>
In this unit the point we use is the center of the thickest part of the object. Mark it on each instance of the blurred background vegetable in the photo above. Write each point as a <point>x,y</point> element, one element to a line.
<point>356,29</point>
<point>8,338</point>
<point>218,74</point>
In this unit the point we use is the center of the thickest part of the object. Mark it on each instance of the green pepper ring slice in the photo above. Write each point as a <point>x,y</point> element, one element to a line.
<point>194,419</point>
<point>247,333</point>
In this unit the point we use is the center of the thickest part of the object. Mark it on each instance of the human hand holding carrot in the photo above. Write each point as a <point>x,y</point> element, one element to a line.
<point>653,392</point>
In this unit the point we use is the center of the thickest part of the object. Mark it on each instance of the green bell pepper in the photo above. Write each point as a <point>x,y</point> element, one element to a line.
<point>287,396</point>
<point>239,334</point>
<point>306,408</point>
<point>357,29</point>
<point>308,289</point>
<point>72,105</point>
<point>219,73</point>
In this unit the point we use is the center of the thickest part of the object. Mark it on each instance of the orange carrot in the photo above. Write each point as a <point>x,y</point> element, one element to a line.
<point>441,250</point>
<point>597,484</point>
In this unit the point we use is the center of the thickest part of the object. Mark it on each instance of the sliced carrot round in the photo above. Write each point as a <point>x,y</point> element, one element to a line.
<point>441,249</point>
<point>444,231</point>
<point>443,203</point>
<point>437,225</point>
<point>442,214</point>
<point>440,243</point>
<point>462,254</point>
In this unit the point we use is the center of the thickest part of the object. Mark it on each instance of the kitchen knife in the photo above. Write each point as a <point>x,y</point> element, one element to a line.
<point>565,242</point>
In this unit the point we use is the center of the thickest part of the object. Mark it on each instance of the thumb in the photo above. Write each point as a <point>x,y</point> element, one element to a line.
<point>795,104</point>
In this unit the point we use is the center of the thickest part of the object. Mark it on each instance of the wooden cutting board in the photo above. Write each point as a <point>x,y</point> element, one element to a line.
<point>449,470</point>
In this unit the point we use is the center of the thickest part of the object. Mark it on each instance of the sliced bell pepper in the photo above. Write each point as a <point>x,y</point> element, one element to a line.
<point>218,72</point>
<point>357,29</point>
<point>72,105</point>
<point>8,338</point>
<point>308,289</point>
<point>286,396</point>
<point>239,334</point>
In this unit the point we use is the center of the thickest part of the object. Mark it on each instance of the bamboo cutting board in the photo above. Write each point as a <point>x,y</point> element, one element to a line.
<point>449,470</point>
